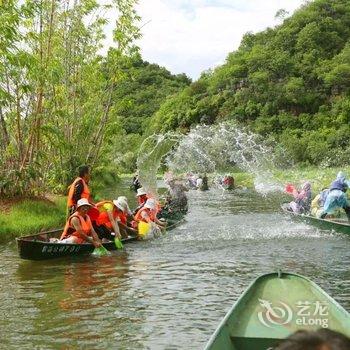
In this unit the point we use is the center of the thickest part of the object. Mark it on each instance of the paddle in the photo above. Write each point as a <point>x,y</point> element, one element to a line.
<point>100,251</point>
<point>118,243</point>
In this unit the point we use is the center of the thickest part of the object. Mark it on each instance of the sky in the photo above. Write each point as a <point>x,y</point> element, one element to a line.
<point>195,35</point>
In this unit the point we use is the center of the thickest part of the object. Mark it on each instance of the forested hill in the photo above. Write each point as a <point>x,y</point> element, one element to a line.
<point>290,83</point>
<point>140,95</point>
<point>135,99</point>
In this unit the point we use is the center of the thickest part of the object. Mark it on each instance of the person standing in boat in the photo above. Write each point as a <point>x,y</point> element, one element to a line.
<point>136,182</point>
<point>205,186</point>
<point>78,228</point>
<point>79,189</point>
<point>337,196</point>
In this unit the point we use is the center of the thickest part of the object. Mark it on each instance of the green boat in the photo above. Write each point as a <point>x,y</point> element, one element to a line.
<point>273,307</point>
<point>338,225</point>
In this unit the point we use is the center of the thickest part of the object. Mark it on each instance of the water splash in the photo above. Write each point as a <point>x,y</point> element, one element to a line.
<point>220,147</point>
<point>152,151</point>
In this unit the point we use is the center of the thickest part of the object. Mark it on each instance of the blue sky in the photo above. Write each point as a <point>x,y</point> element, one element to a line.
<point>195,35</point>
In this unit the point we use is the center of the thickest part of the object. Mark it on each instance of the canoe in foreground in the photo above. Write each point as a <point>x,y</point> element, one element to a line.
<point>337,225</point>
<point>273,307</point>
<point>39,247</point>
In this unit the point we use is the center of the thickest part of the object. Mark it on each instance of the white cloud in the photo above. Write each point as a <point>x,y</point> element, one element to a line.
<point>192,36</point>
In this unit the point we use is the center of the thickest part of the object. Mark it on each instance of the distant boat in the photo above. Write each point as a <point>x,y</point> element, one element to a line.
<point>338,225</point>
<point>273,307</point>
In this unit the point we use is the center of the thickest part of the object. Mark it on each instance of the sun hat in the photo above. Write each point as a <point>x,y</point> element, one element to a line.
<point>150,203</point>
<point>141,191</point>
<point>83,201</point>
<point>120,204</point>
<point>124,199</point>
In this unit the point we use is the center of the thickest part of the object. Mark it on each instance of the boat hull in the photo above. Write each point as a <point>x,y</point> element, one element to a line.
<point>272,308</point>
<point>341,226</point>
<point>39,247</point>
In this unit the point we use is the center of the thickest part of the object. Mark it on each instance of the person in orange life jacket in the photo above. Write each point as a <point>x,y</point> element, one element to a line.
<point>141,197</point>
<point>79,228</point>
<point>125,218</point>
<point>108,219</point>
<point>79,189</point>
<point>148,213</point>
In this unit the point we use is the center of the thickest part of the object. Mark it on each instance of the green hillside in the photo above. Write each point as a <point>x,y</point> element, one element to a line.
<point>290,83</point>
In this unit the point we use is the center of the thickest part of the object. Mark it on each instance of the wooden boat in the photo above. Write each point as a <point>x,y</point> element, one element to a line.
<point>39,247</point>
<point>338,225</point>
<point>273,307</point>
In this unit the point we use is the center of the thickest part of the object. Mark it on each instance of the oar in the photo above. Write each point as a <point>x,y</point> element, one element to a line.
<point>100,251</point>
<point>118,243</point>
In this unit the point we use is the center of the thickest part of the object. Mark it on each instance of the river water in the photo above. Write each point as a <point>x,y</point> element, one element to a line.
<point>168,293</point>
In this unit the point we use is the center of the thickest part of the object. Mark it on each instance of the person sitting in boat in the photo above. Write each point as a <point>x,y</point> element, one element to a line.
<point>228,182</point>
<point>317,203</point>
<point>337,196</point>
<point>322,339</point>
<point>176,200</point>
<point>148,214</point>
<point>302,198</point>
<point>141,197</point>
<point>110,216</point>
<point>79,189</point>
<point>125,218</point>
<point>78,228</point>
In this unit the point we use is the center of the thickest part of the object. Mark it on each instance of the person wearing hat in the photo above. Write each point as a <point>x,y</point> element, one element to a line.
<point>141,197</point>
<point>126,217</point>
<point>148,213</point>
<point>337,197</point>
<point>78,228</point>
<point>109,216</point>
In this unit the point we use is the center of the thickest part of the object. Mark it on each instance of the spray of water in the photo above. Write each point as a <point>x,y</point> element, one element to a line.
<point>152,151</point>
<point>220,147</point>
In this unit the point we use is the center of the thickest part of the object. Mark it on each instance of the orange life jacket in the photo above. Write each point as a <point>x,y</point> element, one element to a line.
<point>151,214</point>
<point>85,194</point>
<point>103,218</point>
<point>69,229</point>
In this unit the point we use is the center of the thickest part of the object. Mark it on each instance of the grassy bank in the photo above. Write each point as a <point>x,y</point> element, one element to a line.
<point>28,216</point>
<point>319,177</point>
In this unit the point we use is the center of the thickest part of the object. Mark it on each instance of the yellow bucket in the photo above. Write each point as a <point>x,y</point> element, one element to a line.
<point>144,228</point>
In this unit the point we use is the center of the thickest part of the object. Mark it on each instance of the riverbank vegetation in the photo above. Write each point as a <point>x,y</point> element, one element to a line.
<point>62,103</point>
